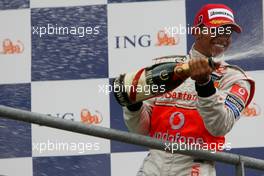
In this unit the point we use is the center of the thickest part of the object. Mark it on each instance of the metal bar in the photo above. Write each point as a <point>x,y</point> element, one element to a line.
<point>107,133</point>
<point>240,169</point>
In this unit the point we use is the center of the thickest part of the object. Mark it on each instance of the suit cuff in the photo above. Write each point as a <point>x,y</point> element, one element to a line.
<point>135,107</point>
<point>205,90</point>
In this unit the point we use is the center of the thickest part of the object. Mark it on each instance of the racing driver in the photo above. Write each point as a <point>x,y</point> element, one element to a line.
<point>201,110</point>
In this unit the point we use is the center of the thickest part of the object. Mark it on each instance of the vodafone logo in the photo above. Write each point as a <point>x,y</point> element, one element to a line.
<point>241,91</point>
<point>177,120</point>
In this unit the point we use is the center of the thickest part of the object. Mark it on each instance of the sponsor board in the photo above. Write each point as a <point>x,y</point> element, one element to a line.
<point>137,41</point>
<point>78,101</point>
<point>16,167</point>
<point>73,43</point>
<point>63,3</point>
<point>245,132</point>
<point>15,46</point>
<point>10,47</point>
<point>133,160</point>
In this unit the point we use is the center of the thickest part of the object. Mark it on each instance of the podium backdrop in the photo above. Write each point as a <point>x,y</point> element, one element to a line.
<point>58,58</point>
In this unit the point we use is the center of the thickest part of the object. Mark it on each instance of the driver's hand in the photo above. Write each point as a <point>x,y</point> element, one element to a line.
<point>200,70</point>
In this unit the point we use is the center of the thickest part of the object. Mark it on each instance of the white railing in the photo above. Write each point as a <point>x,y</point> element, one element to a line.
<point>241,162</point>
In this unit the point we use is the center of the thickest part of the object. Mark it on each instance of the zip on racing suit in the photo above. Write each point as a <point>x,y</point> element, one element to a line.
<point>190,112</point>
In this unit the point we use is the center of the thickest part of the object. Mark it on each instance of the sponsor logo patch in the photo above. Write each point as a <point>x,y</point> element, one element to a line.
<point>234,104</point>
<point>240,92</point>
<point>235,101</point>
<point>219,21</point>
<point>220,12</point>
<point>233,108</point>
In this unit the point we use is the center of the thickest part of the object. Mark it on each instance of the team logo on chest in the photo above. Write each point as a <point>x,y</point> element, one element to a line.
<point>177,120</point>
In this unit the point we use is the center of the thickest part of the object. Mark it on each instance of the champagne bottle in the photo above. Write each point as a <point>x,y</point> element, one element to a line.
<point>149,82</point>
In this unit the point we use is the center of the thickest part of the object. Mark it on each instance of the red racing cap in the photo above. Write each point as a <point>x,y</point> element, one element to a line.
<point>216,15</point>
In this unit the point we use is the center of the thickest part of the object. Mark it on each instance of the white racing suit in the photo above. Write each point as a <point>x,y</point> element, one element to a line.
<point>202,114</point>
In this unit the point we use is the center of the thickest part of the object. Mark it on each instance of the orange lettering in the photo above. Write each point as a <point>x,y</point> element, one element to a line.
<point>10,48</point>
<point>164,39</point>
<point>174,95</point>
<point>195,170</point>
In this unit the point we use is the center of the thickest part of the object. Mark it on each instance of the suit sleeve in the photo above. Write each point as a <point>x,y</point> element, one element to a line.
<point>221,108</point>
<point>139,121</point>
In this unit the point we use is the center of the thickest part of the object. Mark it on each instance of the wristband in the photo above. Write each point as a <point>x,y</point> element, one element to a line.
<point>135,107</point>
<point>205,90</point>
